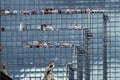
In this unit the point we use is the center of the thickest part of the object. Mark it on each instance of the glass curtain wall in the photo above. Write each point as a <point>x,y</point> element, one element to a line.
<point>35,32</point>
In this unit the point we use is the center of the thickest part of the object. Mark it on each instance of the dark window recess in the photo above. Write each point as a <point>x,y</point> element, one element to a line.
<point>43,26</point>
<point>0,47</point>
<point>2,29</point>
<point>30,46</point>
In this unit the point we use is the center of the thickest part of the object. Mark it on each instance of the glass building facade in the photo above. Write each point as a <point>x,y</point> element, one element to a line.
<point>81,36</point>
